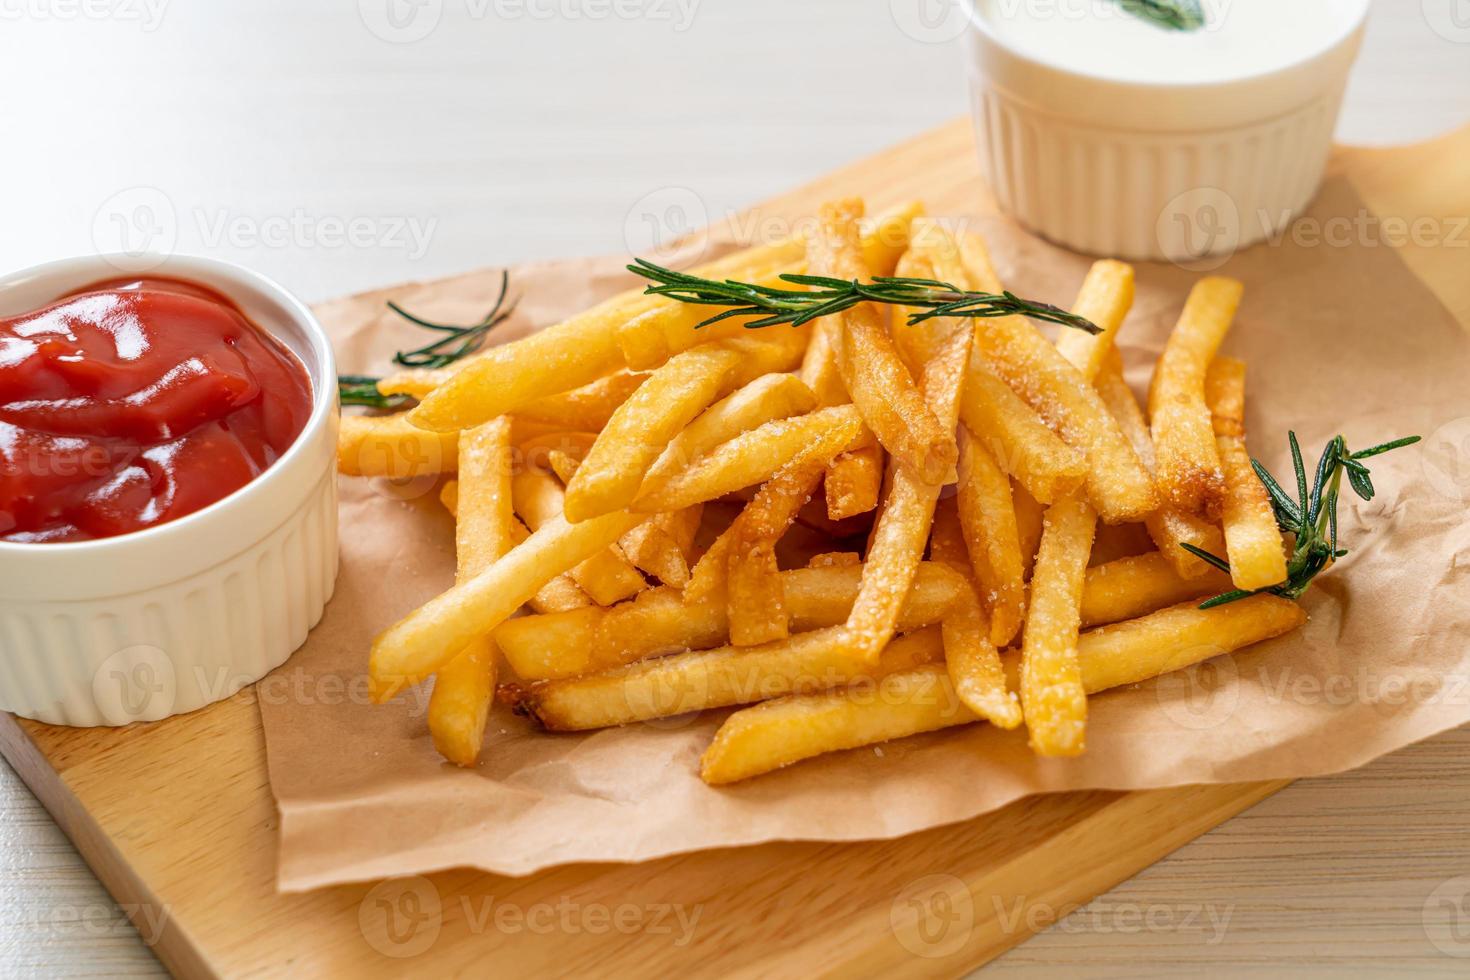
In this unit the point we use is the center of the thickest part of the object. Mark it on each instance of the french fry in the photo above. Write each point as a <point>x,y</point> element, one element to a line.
<point>584,409</point>
<point>755,599</point>
<point>1105,298</point>
<point>656,546</point>
<point>464,687</point>
<point>642,427</point>
<point>1252,539</point>
<point>902,527</point>
<point>987,515</point>
<point>1018,439</point>
<point>753,457</point>
<point>1130,587</point>
<point>969,656</point>
<point>778,733</point>
<point>559,595</point>
<point>424,640</point>
<point>662,620</point>
<point>876,379</point>
<point>391,446</point>
<point>1169,527</point>
<point>652,337</point>
<point>766,399</point>
<point>1118,485</point>
<point>1187,463</point>
<point>607,576</point>
<point>678,684</point>
<point>854,482</point>
<point>1051,682</point>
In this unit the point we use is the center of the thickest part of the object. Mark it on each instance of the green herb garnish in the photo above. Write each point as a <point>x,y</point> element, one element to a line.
<point>362,389</point>
<point>1174,15</point>
<point>1311,518</point>
<point>827,296</point>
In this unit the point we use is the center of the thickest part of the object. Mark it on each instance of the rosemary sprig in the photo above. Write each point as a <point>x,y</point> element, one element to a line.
<point>1310,517</point>
<point>772,305</point>
<point>458,341</point>
<point>1174,15</point>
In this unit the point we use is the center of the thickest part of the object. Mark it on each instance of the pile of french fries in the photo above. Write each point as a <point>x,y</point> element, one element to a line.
<point>998,534</point>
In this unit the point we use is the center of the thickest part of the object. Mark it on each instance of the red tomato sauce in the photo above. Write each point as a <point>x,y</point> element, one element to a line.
<point>133,402</point>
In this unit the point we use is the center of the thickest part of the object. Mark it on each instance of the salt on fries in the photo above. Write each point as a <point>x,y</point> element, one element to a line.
<point>656,438</point>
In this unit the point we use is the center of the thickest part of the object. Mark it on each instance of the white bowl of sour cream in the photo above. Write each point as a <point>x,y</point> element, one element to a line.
<point>1112,135</point>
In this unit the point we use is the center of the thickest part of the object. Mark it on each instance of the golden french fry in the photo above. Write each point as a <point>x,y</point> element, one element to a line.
<point>651,338</point>
<point>766,399</point>
<point>876,379</point>
<point>778,733</point>
<point>425,639</point>
<point>902,528</point>
<point>1105,298</point>
<point>653,547</point>
<point>483,532</point>
<point>754,457</point>
<point>1051,682</point>
<point>678,684</point>
<point>391,446</point>
<point>774,734</point>
<point>1129,587</point>
<point>1252,539</point>
<point>1118,485</point>
<point>584,409</point>
<point>662,620</point>
<point>835,559</point>
<point>568,355</point>
<point>1187,463</point>
<point>854,481</point>
<point>971,659</point>
<point>754,596</point>
<point>1169,527</point>
<point>987,515</point>
<point>606,576</point>
<point>643,426</point>
<point>1017,437</point>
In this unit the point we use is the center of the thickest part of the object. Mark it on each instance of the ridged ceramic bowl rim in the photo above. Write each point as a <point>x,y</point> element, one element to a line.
<point>1353,23</point>
<point>220,275</point>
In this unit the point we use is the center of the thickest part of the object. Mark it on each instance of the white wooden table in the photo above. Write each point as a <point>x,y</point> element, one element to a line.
<point>293,137</point>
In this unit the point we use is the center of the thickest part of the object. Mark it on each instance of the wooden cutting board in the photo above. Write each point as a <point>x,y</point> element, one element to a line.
<point>178,821</point>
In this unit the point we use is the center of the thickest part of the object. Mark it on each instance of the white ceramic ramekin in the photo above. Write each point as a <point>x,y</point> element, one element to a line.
<point>1137,170</point>
<point>177,616</point>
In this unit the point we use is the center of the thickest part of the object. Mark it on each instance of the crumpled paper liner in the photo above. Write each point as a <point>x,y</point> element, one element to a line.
<point>1337,339</point>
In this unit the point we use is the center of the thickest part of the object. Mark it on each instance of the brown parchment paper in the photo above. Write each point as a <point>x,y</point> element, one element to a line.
<point>1337,338</point>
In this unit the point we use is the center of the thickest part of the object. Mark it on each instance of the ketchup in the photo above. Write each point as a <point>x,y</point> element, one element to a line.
<point>133,402</point>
